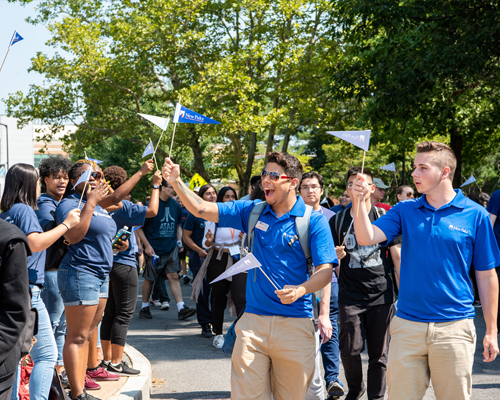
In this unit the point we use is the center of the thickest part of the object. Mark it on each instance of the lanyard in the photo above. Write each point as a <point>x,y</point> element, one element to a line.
<point>232,233</point>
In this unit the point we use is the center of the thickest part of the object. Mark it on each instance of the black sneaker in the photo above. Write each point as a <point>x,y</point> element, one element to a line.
<point>104,364</point>
<point>145,313</point>
<point>90,397</point>
<point>356,396</point>
<point>335,390</point>
<point>186,312</point>
<point>123,368</point>
<point>84,396</point>
<point>185,279</point>
<point>206,331</point>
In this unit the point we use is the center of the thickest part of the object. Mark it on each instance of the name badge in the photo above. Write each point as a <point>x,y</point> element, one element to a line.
<point>262,226</point>
<point>234,250</point>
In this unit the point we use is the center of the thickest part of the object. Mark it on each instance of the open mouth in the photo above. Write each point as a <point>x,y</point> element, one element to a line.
<point>268,192</point>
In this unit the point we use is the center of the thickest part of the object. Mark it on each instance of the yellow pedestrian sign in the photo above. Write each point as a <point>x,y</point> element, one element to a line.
<point>196,181</point>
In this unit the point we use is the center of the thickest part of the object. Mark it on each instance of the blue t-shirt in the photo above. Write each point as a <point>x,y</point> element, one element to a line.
<point>197,226</point>
<point>129,215</point>
<point>24,217</point>
<point>161,230</point>
<point>46,209</point>
<point>185,214</point>
<point>437,250</point>
<point>494,208</point>
<point>92,254</point>
<point>283,264</point>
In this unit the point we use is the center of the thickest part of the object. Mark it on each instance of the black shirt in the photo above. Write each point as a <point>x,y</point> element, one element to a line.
<point>364,274</point>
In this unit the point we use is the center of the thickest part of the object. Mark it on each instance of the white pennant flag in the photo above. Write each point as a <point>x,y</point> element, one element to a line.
<point>469,181</point>
<point>83,177</point>
<point>389,167</point>
<point>160,122</point>
<point>246,263</point>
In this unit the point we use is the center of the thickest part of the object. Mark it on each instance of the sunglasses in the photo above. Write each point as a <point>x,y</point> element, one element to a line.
<point>96,175</point>
<point>273,176</point>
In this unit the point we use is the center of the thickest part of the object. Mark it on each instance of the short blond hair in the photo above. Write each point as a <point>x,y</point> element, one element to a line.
<point>443,155</point>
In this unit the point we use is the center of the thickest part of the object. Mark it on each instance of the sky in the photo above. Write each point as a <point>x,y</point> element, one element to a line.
<point>14,75</point>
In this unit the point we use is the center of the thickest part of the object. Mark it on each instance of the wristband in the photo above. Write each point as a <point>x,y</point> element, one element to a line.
<point>67,227</point>
<point>179,243</point>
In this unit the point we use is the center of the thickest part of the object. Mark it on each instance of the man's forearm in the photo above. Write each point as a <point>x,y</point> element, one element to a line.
<point>142,237</point>
<point>324,303</point>
<point>195,204</point>
<point>362,224</point>
<point>321,278</point>
<point>487,284</point>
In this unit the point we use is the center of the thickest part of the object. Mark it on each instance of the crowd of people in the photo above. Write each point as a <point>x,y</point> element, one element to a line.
<point>402,280</point>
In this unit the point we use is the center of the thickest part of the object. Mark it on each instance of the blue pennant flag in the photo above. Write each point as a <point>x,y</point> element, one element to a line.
<point>389,167</point>
<point>85,177</point>
<point>93,159</point>
<point>359,139</point>
<point>15,38</point>
<point>469,181</point>
<point>183,114</point>
<point>149,149</point>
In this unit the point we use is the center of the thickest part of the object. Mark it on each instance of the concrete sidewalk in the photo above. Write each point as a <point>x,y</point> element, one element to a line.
<point>186,366</point>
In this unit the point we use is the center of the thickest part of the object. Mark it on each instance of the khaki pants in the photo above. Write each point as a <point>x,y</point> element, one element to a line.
<point>272,355</point>
<point>443,351</point>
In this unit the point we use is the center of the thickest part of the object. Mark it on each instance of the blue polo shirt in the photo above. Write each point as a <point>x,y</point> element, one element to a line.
<point>437,250</point>
<point>494,208</point>
<point>93,254</point>
<point>129,215</point>
<point>283,264</point>
<point>24,217</point>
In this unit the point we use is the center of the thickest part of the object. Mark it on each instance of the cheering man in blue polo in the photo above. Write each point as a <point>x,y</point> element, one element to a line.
<point>275,345</point>
<point>433,331</point>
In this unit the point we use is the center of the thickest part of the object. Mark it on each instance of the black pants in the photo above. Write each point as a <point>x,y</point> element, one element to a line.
<point>123,287</point>
<point>203,313</point>
<point>356,325</point>
<point>220,290</point>
<point>160,291</point>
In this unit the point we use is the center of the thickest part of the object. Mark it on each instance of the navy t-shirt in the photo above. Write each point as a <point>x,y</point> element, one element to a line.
<point>494,208</point>
<point>197,226</point>
<point>46,210</point>
<point>93,254</point>
<point>129,215</point>
<point>161,230</point>
<point>24,217</point>
<point>185,214</point>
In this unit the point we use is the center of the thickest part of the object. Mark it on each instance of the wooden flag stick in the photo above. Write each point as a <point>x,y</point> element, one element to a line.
<point>362,169</point>
<point>268,278</point>
<point>81,197</point>
<point>154,158</point>
<point>173,133</point>
<point>396,179</point>
<point>349,230</point>
<point>478,188</point>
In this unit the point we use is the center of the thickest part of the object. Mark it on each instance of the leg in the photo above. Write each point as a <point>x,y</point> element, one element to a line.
<point>175,286</point>
<point>316,390</point>
<point>451,356</point>
<point>203,312</point>
<point>238,291</point>
<point>292,351</point>
<point>93,359</point>
<point>377,323</point>
<point>408,371</point>
<point>250,363</point>
<point>351,343</point>
<point>219,303</point>
<point>44,352</point>
<point>55,307</point>
<point>330,350</point>
<point>109,314</point>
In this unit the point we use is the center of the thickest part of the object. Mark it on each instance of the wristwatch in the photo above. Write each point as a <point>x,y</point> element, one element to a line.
<point>179,243</point>
<point>155,186</point>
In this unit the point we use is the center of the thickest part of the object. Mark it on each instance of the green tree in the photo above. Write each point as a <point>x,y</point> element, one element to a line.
<point>423,67</point>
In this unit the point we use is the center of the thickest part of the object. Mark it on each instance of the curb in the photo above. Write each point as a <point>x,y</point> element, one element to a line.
<point>137,387</point>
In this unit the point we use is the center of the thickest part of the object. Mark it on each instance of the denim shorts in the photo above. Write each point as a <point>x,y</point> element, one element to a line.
<point>80,288</point>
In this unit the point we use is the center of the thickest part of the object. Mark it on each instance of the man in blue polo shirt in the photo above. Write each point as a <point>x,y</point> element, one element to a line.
<point>433,331</point>
<point>275,345</point>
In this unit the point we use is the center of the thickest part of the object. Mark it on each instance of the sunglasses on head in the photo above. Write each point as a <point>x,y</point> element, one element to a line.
<point>273,176</point>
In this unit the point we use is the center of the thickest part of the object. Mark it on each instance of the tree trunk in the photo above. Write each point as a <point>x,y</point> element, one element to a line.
<point>250,160</point>
<point>456,144</point>
<point>197,154</point>
<point>288,130</point>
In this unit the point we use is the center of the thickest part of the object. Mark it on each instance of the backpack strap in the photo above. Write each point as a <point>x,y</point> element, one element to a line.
<point>252,221</point>
<point>339,221</point>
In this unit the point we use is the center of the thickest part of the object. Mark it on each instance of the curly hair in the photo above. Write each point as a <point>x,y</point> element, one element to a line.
<point>116,176</point>
<point>52,166</point>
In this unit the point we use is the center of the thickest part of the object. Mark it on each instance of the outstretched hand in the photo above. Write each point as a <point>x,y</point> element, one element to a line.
<point>170,171</point>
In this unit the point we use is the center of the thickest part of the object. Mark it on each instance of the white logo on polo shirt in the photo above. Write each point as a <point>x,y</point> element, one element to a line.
<point>457,228</point>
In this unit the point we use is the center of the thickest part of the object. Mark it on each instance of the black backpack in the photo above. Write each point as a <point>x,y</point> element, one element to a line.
<point>55,253</point>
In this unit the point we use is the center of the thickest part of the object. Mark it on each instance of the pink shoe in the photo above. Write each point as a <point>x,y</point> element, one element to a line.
<point>90,384</point>
<point>100,374</point>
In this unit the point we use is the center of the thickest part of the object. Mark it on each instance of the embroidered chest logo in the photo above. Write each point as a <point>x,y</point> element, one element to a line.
<point>458,228</point>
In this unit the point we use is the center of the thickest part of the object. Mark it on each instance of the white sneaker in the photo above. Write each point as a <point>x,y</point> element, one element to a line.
<point>157,303</point>
<point>165,305</point>
<point>219,341</point>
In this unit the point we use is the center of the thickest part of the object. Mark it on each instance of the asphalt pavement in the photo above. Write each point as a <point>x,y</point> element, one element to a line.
<point>187,366</point>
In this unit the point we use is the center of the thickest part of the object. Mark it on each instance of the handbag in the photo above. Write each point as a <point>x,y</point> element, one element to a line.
<point>230,338</point>
<point>57,391</point>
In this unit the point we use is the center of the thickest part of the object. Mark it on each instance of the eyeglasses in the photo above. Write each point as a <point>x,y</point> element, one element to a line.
<point>273,176</point>
<point>312,188</point>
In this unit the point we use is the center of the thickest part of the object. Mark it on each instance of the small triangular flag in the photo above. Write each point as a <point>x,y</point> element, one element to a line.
<point>149,149</point>
<point>359,139</point>
<point>246,263</point>
<point>468,181</point>
<point>160,122</point>
<point>185,115</point>
<point>389,167</point>
<point>85,177</point>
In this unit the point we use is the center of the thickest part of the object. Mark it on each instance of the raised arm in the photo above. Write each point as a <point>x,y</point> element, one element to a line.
<point>154,202</point>
<point>194,203</point>
<point>121,192</point>
<point>366,233</point>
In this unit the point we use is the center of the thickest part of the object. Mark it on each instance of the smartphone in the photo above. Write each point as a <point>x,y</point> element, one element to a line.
<point>122,235</point>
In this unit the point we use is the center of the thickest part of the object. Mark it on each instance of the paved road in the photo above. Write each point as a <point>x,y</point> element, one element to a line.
<point>187,366</point>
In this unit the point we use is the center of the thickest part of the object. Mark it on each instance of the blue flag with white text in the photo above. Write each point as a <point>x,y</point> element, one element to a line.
<point>15,38</point>
<point>183,114</point>
<point>359,139</point>
<point>149,149</point>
